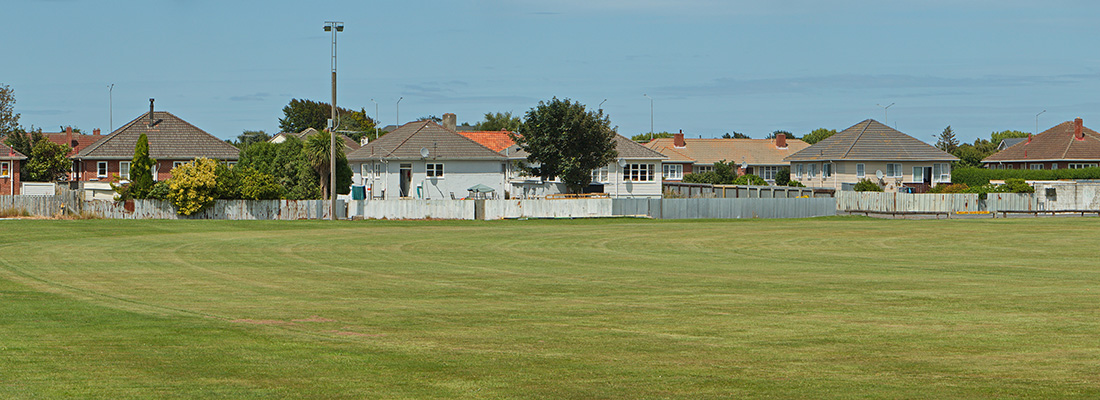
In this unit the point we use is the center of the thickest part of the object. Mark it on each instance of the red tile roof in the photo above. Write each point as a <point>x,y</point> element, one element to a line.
<point>78,142</point>
<point>1057,143</point>
<point>494,140</point>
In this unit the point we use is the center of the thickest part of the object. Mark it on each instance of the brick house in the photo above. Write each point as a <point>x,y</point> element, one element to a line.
<point>1066,145</point>
<point>76,141</point>
<point>9,170</point>
<point>172,142</point>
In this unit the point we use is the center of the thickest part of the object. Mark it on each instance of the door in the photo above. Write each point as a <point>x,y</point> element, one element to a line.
<point>406,174</point>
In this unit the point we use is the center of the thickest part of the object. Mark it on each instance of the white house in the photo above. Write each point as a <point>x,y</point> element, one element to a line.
<point>423,160</point>
<point>636,173</point>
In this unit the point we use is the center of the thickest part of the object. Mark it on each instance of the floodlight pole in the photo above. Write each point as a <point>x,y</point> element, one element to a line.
<point>650,113</point>
<point>111,104</point>
<point>333,26</point>
<point>886,113</point>
<point>399,111</point>
<point>1037,121</point>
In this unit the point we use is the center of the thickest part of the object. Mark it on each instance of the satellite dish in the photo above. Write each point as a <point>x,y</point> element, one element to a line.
<point>424,152</point>
<point>879,174</point>
<point>744,165</point>
<point>622,162</point>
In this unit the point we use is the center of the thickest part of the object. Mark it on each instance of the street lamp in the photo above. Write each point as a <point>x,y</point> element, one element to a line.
<point>886,113</point>
<point>333,26</point>
<point>111,104</point>
<point>650,113</point>
<point>1037,121</point>
<point>399,111</point>
<point>376,121</point>
<point>601,105</point>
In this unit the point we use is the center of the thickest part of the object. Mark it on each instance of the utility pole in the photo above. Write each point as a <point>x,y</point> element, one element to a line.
<point>376,121</point>
<point>111,102</point>
<point>1037,121</point>
<point>399,112</point>
<point>333,26</point>
<point>886,113</point>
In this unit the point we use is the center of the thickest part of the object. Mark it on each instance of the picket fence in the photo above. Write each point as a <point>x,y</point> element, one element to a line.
<point>933,203</point>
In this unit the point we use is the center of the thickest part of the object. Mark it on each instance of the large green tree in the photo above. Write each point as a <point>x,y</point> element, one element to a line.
<point>9,119</point>
<point>247,138</point>
<point>566,141</point>
<point>818,135</point>
<point>300,115</point>
<point>48,162</point>
<point>317,152</point>
<point>141,169</point>
<point>947,141</point>
<point>504,121</point>
<point>22,141</point>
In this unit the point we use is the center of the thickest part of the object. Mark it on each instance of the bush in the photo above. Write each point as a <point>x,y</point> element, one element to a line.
<point>255,185</point>
<point>783,177</point>
<point>952,188</point>
<point>1015,185</point>
<point>981,176</point>
<point>794,183</point>
<point>159,191</point>
<point>193,186</point>
<point>750,179</point>
<point>865,185</point>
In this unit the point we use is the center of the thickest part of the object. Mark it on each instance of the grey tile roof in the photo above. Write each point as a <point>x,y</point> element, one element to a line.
<point>404,143</point>
<point>1009,142</point>
<point>170,138</point>
<point>9,154</point>
<point>625,147</point>
<point>870,140</point>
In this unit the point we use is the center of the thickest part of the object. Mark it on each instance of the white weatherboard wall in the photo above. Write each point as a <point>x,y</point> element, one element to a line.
<point>457,177</point>
<point>573,208</point>
<point>614,186</point>
<point>38,188</point>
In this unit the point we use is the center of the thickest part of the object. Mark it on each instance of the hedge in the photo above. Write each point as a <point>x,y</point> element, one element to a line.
<point>982,176</point>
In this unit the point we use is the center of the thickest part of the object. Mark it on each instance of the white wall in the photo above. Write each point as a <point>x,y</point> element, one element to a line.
<point>615,186</point>
<point>457,177</point>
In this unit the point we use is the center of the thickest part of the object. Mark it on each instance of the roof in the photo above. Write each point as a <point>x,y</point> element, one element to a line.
<point>406,142</point>
<point>710,151</point>
<point>9,154</point>
<point>349,143</point>
<point>79,141</point>
<point>626,148</point>
<point>170,138</point>
<point>494,140</point>
<point>1009,142</point>
<point>870,140</point>
<point>1057,143</point>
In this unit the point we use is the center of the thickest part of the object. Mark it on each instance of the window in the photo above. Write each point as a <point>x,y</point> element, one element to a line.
<point>599,175</point>
<point>861,171</point>
<point>101,169</point>
<point>1081,165</point>
<point>365,172</point>
<point>639,172</point>
<point>1053,165</point>
<point>941,172</point>
<point>699,169</point>
<point>1036,166</point>
<point>812,171</point>
<point>124,170</point>
<point>177,164</point>
<point>769,172</point>
<point>826,170</point>
<point>893,170</point>
<point>673,171</point>
<point>918,174</point>
<point>435,170</point>
<point>5,169</point>
<point>799,174</point>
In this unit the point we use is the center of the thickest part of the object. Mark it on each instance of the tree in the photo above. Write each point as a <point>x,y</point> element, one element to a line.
<point>499,122</point>
<point>9,119</point>
<point>24,142</point>
<point>300,115</point>
<point>818,135</point>
<point>141,169</point>
<point>356,124</point>
<point>432,118</point>
<point>645,137</point>
<point>947,141</point>
<point>866,185</point>
<point>193,186</point>
<point>997,137</point>
<point>724,173</point>
<point>317,152</point>
<point>783,177</point>
<point>785,133</point>
<point>249,137</point>
<point>566,141</point>
<point>969,156</point>
<point>736,135</point>
<point>48,161</point>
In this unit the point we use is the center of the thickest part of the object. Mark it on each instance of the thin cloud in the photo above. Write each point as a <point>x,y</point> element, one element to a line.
<point>252,97</point>
<point>851,82</point>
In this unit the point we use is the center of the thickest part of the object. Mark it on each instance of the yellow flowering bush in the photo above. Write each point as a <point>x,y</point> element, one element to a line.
<point>193,186</point>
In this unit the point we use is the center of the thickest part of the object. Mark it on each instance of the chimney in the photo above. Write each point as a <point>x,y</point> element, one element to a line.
<point>1078,129</point>
<point>781,140</point>
<point>450,121</point>
<point>151,113</point>
<point>95,131</point>
<point>678,139</point>
<point>1029,138</point>
<point>69,135</point>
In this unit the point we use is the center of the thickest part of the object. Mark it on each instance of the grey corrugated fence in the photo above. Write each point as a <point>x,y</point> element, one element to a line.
<point>222,209</point>
<point>703,190</point>
<point>726,208</point>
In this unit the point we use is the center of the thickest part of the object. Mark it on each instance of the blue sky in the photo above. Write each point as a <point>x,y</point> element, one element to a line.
<point>711,66</point>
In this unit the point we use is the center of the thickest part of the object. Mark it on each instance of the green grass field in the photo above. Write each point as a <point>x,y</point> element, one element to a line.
<point>819,308</point>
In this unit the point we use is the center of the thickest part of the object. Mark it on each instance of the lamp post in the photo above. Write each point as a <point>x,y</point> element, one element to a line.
<point>375,118</point>
<point>601,105</point>
<point>1037,121</point>
<point>333,26</point>
<point>650,113</point>
<point>885,113</point>
<point>399,111</point>
<point>111,104</point>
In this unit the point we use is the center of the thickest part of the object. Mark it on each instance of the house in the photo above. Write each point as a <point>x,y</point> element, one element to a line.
<point>1009,142</point>
<point>172,142</point>
<point>76,141</point>
<point>350,144</point>
<point>424,160</point>
<point>761,157</point>
<point>495,140</point>
<point>636,173</point>
<point>871,150</point>
<point>9,170</point>
<point>1066,145</point>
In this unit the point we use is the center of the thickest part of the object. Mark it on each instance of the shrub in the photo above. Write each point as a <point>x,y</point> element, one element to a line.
<point>794,183</point>
<point>141,169</point>
<point>750,179</point>
<point>159,191</point>
<point>1015,185</point>
<point>866,185</point>
<point>982,176</point>
<point>255,185</point>
<point>783,177</point>
<point>193,186</point>
<point>952,188</point>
